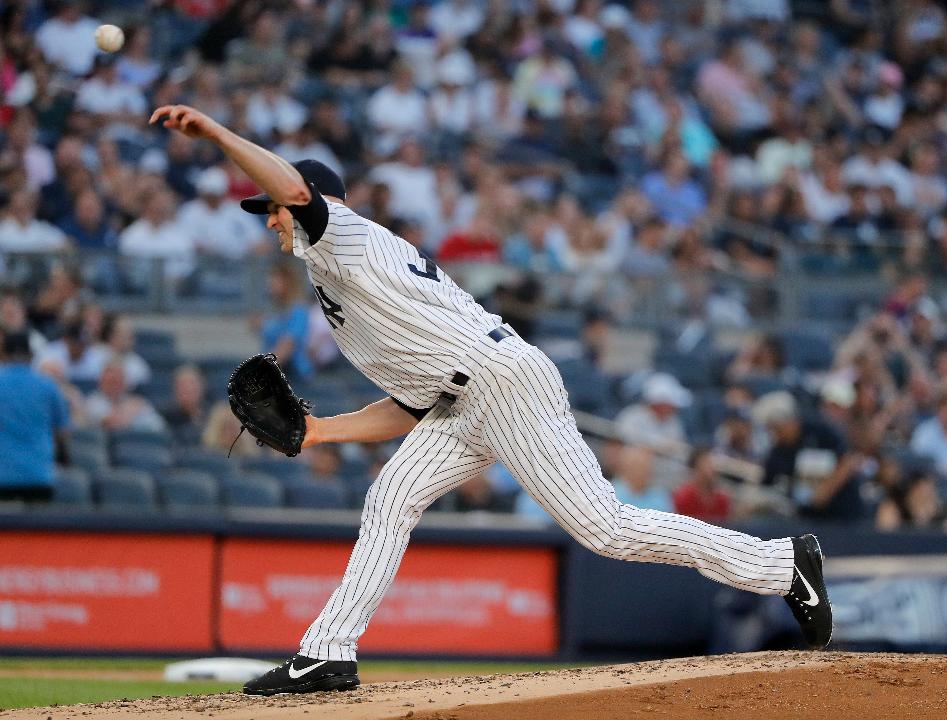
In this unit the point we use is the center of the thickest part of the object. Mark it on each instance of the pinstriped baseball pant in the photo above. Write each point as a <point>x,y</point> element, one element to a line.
<point>514,409</point>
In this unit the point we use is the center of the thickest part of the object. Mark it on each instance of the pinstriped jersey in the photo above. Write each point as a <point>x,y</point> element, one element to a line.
<point>396,316</point>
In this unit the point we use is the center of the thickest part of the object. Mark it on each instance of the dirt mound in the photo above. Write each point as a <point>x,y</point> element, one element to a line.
<point>793,685</point>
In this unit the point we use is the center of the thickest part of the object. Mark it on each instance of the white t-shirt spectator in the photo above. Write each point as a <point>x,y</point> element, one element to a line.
<point>267,114</point>
<point>39,166</point>
<point>638,425</point>
<point>412,189</point>
<point>456,19</point>
<point>395,114</point>
<point>137,371</point>
<point>886,172</point>
<point>87,367</point>
<point>226,230</point>
<point>170,240</point>
<point>36,237</point>
<point>69,45</point>
<point>144,416</point>
<point>930,441</point>
<point>102,98</point>
<point>452,111</point>
<point>822,205</point>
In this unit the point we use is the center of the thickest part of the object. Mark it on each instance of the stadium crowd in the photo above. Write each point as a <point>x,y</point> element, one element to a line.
<point>647,140</point>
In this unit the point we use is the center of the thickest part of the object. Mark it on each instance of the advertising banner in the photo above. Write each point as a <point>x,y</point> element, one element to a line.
<point>899,600</point>
<point>106,591</point>
<point>445,599</point>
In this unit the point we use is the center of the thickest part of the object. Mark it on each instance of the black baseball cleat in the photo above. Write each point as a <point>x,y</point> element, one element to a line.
<point>807,596</point>
<point>301,674</point>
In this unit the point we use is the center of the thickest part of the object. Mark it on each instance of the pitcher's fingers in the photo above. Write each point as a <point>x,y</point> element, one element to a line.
<point>163,110</point>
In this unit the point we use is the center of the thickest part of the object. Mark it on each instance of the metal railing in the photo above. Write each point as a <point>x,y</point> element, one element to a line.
<point>237,287</point>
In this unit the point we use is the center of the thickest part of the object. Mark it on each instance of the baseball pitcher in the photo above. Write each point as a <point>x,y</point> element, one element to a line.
<point>467,391</point>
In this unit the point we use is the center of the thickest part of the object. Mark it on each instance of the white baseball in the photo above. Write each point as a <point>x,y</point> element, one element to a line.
<point>109,38</point>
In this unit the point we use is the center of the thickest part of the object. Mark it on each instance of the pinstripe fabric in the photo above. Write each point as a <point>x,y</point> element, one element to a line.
<point>515,409</point>
<point>403,328</point>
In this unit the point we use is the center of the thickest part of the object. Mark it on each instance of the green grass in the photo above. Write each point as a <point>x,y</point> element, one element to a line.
<point>22,692</point>
<point>39,692</point>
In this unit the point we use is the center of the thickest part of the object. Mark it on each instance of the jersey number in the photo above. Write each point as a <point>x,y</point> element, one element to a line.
<point>429,271</point>
<point>332,309</point>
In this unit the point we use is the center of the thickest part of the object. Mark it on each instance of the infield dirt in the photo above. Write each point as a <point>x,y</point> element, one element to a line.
<point>796,685</point>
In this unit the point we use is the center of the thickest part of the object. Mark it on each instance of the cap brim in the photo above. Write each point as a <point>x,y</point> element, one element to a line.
<point>258,204</point>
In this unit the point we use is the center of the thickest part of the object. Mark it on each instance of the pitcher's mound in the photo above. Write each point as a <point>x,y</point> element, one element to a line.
<point>790,685</point>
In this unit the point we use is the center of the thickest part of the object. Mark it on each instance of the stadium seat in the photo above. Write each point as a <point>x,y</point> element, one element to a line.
<point>355,490</point>
<point>807,350</point>
<point>318,496</point>
<point>90,458</point>
<point>147,340</point>
<point>694,370</point>
<point>209,461</point>
<point>289,471</point>
<point>181,489</point>
<point>140,437</point>
<point>252,490</point>
<point>122,487</point>
<point>89,437</point>
<point>142,456</point>
<point>560,323</point>
<point>73,486</point>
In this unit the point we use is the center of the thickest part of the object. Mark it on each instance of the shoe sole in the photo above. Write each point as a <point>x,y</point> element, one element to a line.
<point>812,543</point>
<point>336,682</point>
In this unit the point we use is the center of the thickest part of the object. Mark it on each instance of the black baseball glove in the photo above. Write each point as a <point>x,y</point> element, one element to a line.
<point>265,404</point>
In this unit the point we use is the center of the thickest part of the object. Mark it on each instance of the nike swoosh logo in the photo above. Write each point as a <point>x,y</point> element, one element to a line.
<point>296,674</point>
<point>812,601</point>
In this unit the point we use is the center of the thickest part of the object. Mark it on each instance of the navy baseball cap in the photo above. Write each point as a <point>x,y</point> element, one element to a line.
<point>315,173</point>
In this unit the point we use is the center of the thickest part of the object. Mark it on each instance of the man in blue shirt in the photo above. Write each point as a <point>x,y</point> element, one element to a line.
<point>33,420</point>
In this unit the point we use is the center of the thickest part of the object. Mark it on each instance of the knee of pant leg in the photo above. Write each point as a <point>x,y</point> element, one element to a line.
<point>598,533</point>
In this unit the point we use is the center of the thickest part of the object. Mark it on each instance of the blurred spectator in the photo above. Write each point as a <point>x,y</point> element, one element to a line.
<point>759,358</point>
<point>914,503</point>
<point>478,242</point>
<point>397,110</point>
<point>159,235</point>
<point>60,299</point>
<point>88,225</point>
<point>68,38</point>
<point>33,425</point>
<point>675,197</point>
<point>736,97</point>
<point>321,347</point>
<point>78,417</point>
<point>271,109</point>
<point>284,332</point>
<point>543,80</point>
<point>324,462</point>
<point>809,458</point>
<point>700,497</point>
<point>873,167</point>
<point>21,232</point>
<point>186,413</point>
<point>113,407</point>
<point>736,437</point>
<point>262,54</point>
<point>112,102</point>
<point>117,346</point>
<point>137,66</point>
<point>217,224</point>
<point>477,494</point>
<point>73,352</point>
<point>412,184</point>
<point>23,151</point>
<point>655,422</point>
<point>13,320</point>
<point>930,436</point>
<point>634,483</point>
<point>223,434</point>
